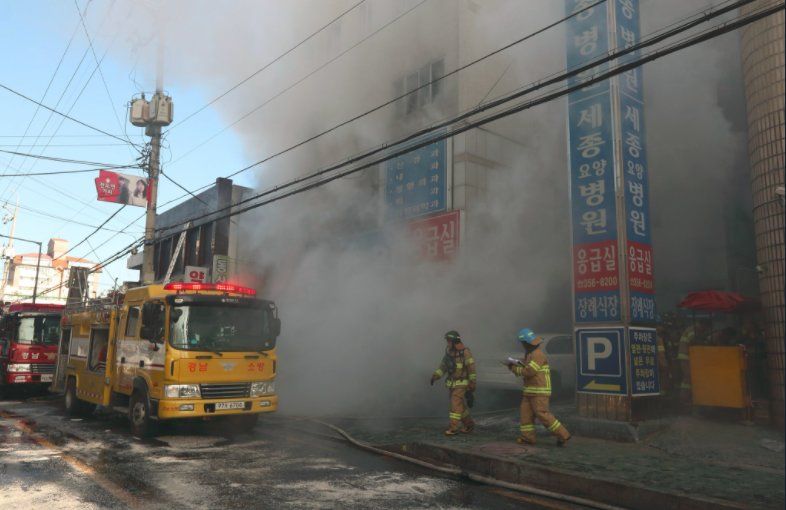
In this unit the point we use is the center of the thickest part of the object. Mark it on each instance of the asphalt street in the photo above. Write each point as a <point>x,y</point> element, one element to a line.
<point>50,460</point>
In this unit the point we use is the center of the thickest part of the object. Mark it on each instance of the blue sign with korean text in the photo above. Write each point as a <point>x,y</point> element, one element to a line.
<point>643,361</point>
<point>591,152</point>
<point>634,169</point>
<point>600,363</point>
<point>416,182</point>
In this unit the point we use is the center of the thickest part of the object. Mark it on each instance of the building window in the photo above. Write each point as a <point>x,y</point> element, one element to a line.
<point>420,97</point>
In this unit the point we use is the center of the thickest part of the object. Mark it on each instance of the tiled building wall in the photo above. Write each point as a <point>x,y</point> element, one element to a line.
<point>763,68</point>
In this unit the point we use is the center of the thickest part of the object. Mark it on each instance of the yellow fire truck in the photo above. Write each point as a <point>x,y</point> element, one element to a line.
<point>180,350</point>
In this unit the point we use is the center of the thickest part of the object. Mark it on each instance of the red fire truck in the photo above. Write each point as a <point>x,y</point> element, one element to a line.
<point>28,344</point>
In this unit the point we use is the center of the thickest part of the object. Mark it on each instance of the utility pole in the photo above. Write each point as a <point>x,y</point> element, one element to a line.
<point>37,265</point>
<point>148,269</point>
<point>152,115</point>
<point>8,250</point>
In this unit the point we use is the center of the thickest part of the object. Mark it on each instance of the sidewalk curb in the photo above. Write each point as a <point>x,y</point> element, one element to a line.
<point>613,430</point>
<point>628,495</point>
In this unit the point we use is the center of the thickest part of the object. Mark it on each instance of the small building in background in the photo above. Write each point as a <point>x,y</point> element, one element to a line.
<point>19,275</point>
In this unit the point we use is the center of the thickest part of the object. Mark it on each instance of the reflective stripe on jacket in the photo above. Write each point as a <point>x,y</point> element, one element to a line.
<point>686,339</point>
<point>462,371</point>
<point>536,373</point>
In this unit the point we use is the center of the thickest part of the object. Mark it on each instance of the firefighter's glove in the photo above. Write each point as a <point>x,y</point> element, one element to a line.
<point>433,379</point>
<point>470,398</point>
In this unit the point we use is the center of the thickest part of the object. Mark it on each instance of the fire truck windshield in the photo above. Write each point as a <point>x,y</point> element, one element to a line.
<point>38,329</point>
<point>218,327</point>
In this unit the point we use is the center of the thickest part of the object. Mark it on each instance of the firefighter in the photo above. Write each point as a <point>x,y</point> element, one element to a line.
<point>458,366</point>
<point>534,368</point>
<point>692,335</point>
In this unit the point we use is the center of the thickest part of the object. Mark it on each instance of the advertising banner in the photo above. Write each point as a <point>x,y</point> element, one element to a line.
<point>416,182</point>
<point>596,279</point>
<point>122,188</point>
<point>437,237</point>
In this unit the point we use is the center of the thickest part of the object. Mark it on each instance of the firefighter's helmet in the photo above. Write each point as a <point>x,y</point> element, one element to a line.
<point>453,336</point>
<point>527,336</point>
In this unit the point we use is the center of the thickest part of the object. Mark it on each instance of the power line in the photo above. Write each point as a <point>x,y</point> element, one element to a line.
<point>48,86</point>
<point>98,64</point>
<point>261,69</point>
<point>64,172</point>
<point>420,142</point>
<point>91,234</point>
<point>64,145</point>
<point>63,160</point>
<point>298,82</point>
<point>388,103</point>
<point>685,43</point>
<point>71,221</point>
<point>413,91</point>
<point>531,88</point>
<point>98,265</point>
<point>56,136</point>
<point>73,104</point>
<point>61,114</point>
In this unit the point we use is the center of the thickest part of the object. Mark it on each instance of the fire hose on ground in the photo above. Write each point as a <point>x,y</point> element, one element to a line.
<point>461,473</point>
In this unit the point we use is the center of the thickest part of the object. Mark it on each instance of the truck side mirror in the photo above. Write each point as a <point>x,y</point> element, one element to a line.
<point>275,327</point>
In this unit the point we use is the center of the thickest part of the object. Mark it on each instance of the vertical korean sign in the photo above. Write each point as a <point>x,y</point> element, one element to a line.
<point>596,285</point>
<point>416,182</point>
<point>638,242</point>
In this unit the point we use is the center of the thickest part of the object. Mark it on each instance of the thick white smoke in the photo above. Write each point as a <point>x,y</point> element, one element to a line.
<point>363,320</point>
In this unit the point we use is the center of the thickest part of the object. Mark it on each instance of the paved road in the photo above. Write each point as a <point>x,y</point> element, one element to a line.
<point>49,460</point>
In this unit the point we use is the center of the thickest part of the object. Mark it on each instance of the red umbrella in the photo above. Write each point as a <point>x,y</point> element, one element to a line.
<point>716,301</point>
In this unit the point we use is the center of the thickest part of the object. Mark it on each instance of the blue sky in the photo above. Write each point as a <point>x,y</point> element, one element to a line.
<point>34,36</point>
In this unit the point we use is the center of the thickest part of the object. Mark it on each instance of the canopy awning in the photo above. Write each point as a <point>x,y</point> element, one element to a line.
<point>718,301</point>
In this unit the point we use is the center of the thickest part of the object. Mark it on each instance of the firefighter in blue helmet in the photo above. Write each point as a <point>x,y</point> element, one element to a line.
<point>534,368</point>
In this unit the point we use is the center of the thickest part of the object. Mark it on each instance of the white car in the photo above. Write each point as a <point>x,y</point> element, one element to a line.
<point>562,361</point>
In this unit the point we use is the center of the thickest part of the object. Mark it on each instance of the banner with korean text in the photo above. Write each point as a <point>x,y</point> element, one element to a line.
<point>122,188</point>
<point>608,171</point>
<point>596,282</point>
<point>638,242</point>
<point>416,183</point>
<point>437,238</point>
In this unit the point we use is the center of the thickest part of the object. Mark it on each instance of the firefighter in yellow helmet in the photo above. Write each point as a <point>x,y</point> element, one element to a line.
<point>534,368</point>
<point>458,366</point>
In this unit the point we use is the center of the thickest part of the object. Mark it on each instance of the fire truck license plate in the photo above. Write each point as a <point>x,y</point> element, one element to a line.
<point>230,405</point>
<point>46,377</point>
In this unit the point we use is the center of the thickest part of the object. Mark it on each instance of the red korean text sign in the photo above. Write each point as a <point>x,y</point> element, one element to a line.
<point>437,237</point>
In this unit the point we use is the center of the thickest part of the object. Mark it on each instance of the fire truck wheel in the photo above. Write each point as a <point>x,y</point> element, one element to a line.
<point>74,406</point>
<point>139,414</point>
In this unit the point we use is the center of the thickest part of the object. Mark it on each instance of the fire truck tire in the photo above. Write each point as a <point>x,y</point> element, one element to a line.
<point>142,426</point>
<point>73,405</point>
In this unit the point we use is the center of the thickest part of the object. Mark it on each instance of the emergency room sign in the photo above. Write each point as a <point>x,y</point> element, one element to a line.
<point>437,237</point>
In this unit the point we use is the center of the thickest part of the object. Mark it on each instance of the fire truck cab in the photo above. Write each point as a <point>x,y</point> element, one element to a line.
<point>174,351</point>
<point>28,344</point>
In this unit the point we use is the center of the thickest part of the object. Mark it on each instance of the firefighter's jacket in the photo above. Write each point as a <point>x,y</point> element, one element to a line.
<point>534,368</point>
<point>688,337</point>
<point>458,366</point>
